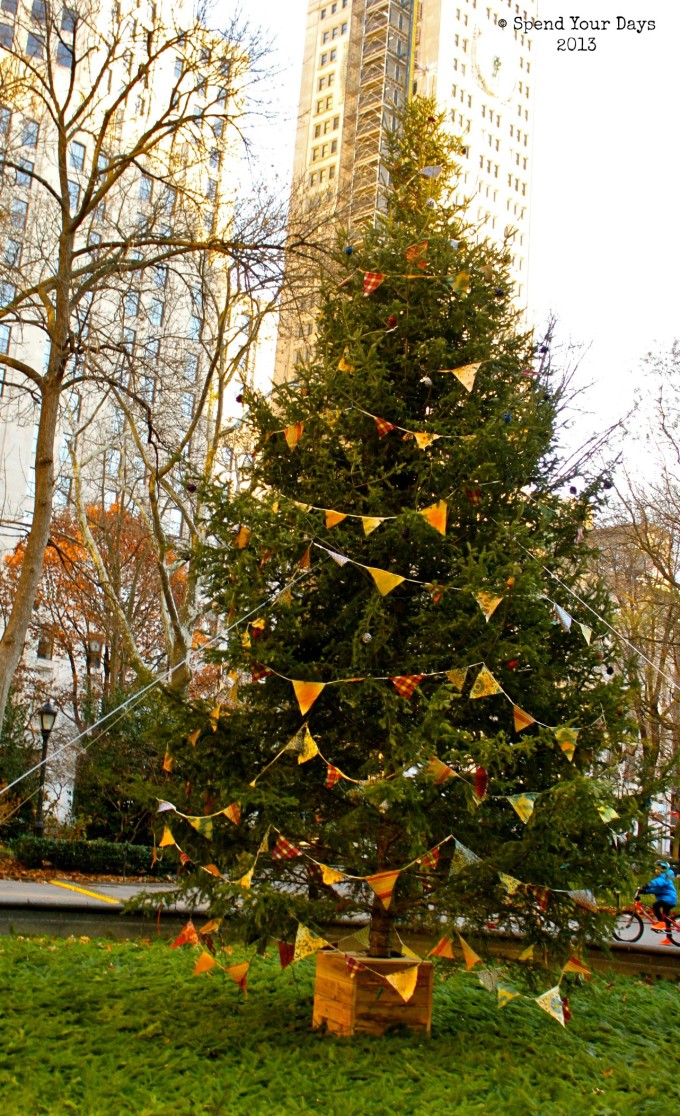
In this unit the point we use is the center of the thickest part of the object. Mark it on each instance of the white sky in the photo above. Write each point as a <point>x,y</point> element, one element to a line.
<point>605,205</point>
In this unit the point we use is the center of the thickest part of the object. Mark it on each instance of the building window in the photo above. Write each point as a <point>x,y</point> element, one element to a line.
<point>45,646</point>
<point>214,158</point>
<point>334,146</point>
<point>152,348</point>
<point>5,121</point>
<point>73,193</point>
<point>12,255</point>
<point>336,123</point>
<point>9,6</point>
<point>325,37</point>
<point>29,133</point>
<point>5,334</point>
<point>187,404</point>
<point>64,54</point>
<point>179,65</point>
<point>146,388</point>
<point>333,55</point>
<point>331,171</point>
<point>312,179</point>
<point>343,30</point>
<point>211,192</point>
<point>35,45</point>
<point>160,276</point>
<point>324,59</point>
<point>131,306</point>
<point>317,131</point>
<point>191,367</point>
<point>129,337</point>
<point>156,309</point>
<point>6,35</point>
<point>145,188</point>
<point>18,213</point>
<point>77,156</point>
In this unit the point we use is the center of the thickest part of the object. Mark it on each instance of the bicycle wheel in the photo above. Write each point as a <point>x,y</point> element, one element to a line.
<point>629,927</point>
<point>674,933</point>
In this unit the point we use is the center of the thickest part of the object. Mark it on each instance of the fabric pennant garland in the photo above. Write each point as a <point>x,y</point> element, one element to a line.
<point>462,856</point>
<point>439,771</point>
<point>457,677</point>
<point>334,517</point>
<point>354,966</point>
<point>246,880</point>
<point>307,693</point>
<point>383,884</point>
<point>333,775</point>
<point>204,826</point>
<point>574,965</point>
<point>587,633</point>
<point>461,282</point>
<point>430,172</point>
<point>193,737</point>
<point>384,426</point>
<point>286,954</point>
<point>523,804</point>
<point>168,762</point>
<point>527,954</point>
<point>416,251</point>
<point>370,522</point>
<point>465,374</point>
<point>435,515</point>
<point>481,782</point>
<point>607,813</point>
<point>521,719</point>
<point>163,806</point>
<point>233,812</point>
<point>211,926</point>
<point>212,870</point>
<point>263,846</point>
<point>489,978</point>
<point>551,1002</point>
<point>488,603</point>
<point>506,993</point>
<point>331,876</point>
<point>339,558</point>
<point>471,958</point>
<point>510,884</point>
<point>167,839</point>
<point>384,580</point>
<point>405,684</point>
<point>485,685</point>
<point>285,850</point>
<point>344,365</point>
<point>187,936</point>
<point>293,433</point>
<point>307,943</point>
<point>443,948</point>
<point>404,983</point>
<point>563,616</point>
<point>424,440</point>
<point>584,898</point>
<point>566,738</point>
<point>205,963</point>
<point>541,895</point>
<point>239,973</point>
<point>309,748</point>
<point>306,560</point>
<point>431,859</point>
<point>242,538</point>
<point>372,280</point>
<point>357,942</point>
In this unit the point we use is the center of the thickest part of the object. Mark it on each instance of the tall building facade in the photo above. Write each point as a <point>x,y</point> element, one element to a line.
<point>363,60</point>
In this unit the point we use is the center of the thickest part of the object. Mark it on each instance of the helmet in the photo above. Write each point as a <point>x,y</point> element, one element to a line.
<point>663,864</point>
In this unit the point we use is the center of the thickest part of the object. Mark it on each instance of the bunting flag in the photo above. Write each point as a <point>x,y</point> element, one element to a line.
<point>506,993</point>
<point>205,963</point>
<point>462,856</point>
<point>333,775</point>
<point>193,737</point>
<point>293,433</point>
<point>471,958</point>
<point>344,365</point>
<point>510,884</point>
<point>404,983</point>
<point>488,603</point>
<point>384,426</point>
<point>405,684</point>
<point>242,538</point>
<point>574,965</point>
<point>551,1001</point>
<point>263,846</point>
<point>339,558</point>
<point>416,252</point>
<point>306,943</point>
<point>406,951</point>
<point>587,633</point>
<point>285,850</point>
<point>424,440</point>
<point>372,280</point>
<point>439,771</point>
<point>481,782</point>
<point>370,522</point>
<point>331,876</point>
<point>246,880</point>
<point>461,283</point>
<point>211,926</point>
<point>306,693</point>
<point>384,580</point>
<point>354,966</point>
<point>167,839</point>
<point>607,813</point>
<point>523,804</point>
<point>286,954</point>
<point>186,936</point>
<point>522,720</point>
<point>334,517</point>
<point>213,870</point>
<point>443,948</point>
<point>435,515</point>
<point>430,172</point>
<point>435,591</point>
<point>566,738</point>
<point>527,954</point>
<point>168,762</point>
<point>357,942</point>
<point>239,973</point>
<point>306,560</point>
<point>214,717</point>
<point>465,374</point>
<point>308,748</point>
<point>204,826</point>
<point>540,894</point>
<point>383,884</point>
<point>164,806</point>
<point>489,979</point>
<point>485,685</point>
<point>584,898</point>
<point>233,812</point>
<point>457,677</point>
<point>258,671</point>
<point>563,616</point>
<point>430,861</point>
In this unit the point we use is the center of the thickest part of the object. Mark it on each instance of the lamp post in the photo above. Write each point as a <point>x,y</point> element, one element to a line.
<point>48,715</point>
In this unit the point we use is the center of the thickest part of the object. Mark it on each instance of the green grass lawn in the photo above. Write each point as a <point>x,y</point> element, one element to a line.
<point>96,1027</point>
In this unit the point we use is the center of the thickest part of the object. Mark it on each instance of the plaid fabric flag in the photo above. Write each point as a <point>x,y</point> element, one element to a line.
<point>474,495</point>
<point>333,775</point>
<point>258,671</point>
<point>384,426</point>
<point>372,280</point>
<point>435,591</point>
<point>541,895</point>
<point>405,684</point>
<point>284,850</point>
<point>184,858</point>
<point>353,966</point>
<point>430,860</point>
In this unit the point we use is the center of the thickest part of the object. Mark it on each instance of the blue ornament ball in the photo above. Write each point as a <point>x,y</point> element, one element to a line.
<point>507,417</point>
<point>349,250</point>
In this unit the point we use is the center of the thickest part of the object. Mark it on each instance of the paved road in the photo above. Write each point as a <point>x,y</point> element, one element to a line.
<point>66,894</point>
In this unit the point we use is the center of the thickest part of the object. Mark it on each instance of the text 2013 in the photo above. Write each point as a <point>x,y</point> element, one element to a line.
<point>577,43</point>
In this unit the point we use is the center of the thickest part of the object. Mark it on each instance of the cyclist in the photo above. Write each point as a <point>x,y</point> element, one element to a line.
<point>666,897</point>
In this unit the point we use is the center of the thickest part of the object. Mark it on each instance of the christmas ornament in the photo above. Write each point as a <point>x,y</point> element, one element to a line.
<point>430,204</point>
<point>239,398</point>
<point>349,250</point>
<point>366,637</point>
<point>573,491</point>
<point>507,417</point>
<point>426,380</point>
<point>499,292</point>
<point>454,244</point>
<point>392,321</point>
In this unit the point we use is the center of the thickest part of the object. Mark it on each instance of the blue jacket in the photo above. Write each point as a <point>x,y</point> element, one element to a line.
<point>663,888</point>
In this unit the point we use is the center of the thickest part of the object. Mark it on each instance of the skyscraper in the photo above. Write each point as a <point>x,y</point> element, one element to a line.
<point>362,60</point>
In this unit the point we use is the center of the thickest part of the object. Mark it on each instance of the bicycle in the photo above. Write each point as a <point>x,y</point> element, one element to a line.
<point>632,920</point>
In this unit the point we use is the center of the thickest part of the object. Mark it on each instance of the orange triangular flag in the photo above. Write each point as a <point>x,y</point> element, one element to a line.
<point>212,869</point>
<point>384,580</point>
<point>488,603</point>
<point>334,517</point>
<point>215,717</point>
<point>443,948</point>
<point>573,965</point>
<point>522,719</point>
<point>205,963</point>
<point>239,973</point>
<point>436,516</point>
<point>404,983</point>
<point>167,839</point>
<point>233,812</point>
<point>193,737</point>
<point>293,433</point>
<point>306,560</point>
<point>438,770</point>
<point>370,522</point>
<point>307,693</point>
<point>242,537</point>
<point>485,685</point>
<point>471,958</point>
<point>186,936</point>
<point>424,440</point>
<point>383,884</point>
<point>168,762</point>
<point>330,875</point>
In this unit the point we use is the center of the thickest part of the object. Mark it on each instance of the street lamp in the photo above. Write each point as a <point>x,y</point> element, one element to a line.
<point>48,715</point>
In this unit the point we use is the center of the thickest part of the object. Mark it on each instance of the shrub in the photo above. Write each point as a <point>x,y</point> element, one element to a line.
<point>105,857</point>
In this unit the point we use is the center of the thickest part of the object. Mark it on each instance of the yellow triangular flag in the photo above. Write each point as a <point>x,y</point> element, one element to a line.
<point>573,965</point>
<point>471,958</point>
<point>566,738</point>
<point>461,283</point>
<point>527,954</point>
<point>344,365</point>
<point>330,876</point>
<point>509,883</point>
<point>485,685</point>
<point>168,762</point>
<point>308,748</point>
<point>370,522</point>
<point>465,374</point>
<point>383,884</point>
<point>215,717</point>
<point>334,517</point>
<point>424,440</point>
<point>439,771</point>
<point>242,537</point>
<point>204,826</point>
<point>307,943</point>
<point>551,1001</point>
<point>506,993</point>
<point>205,963</point>
<point>607,813</point>
<point>246,880</point>
<point>384,580</point>
<point>358,942</point>
<point>406,951</point>
<point>522,720</point>
<point>193,737</point>
<point>233,812</point>
<point>293,433</point>
<point>167,838</point>
<point>488,603</point>
<point>457,677</point>
<point>211,927</point>
<point>443,948</point>
<point>587,633</point>
<point>523,804</point>
<point>436,516</point>
<point>263,846</point>
<point>404,983</point>
<point>307,693</point>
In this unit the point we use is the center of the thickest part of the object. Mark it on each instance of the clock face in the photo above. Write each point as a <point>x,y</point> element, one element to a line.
<point>495,61</point>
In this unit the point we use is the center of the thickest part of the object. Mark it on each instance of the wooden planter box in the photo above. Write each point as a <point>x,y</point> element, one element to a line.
<point>365,1004</point>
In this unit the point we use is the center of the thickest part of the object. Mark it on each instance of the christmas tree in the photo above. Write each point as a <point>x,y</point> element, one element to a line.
<point>415,727</point>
